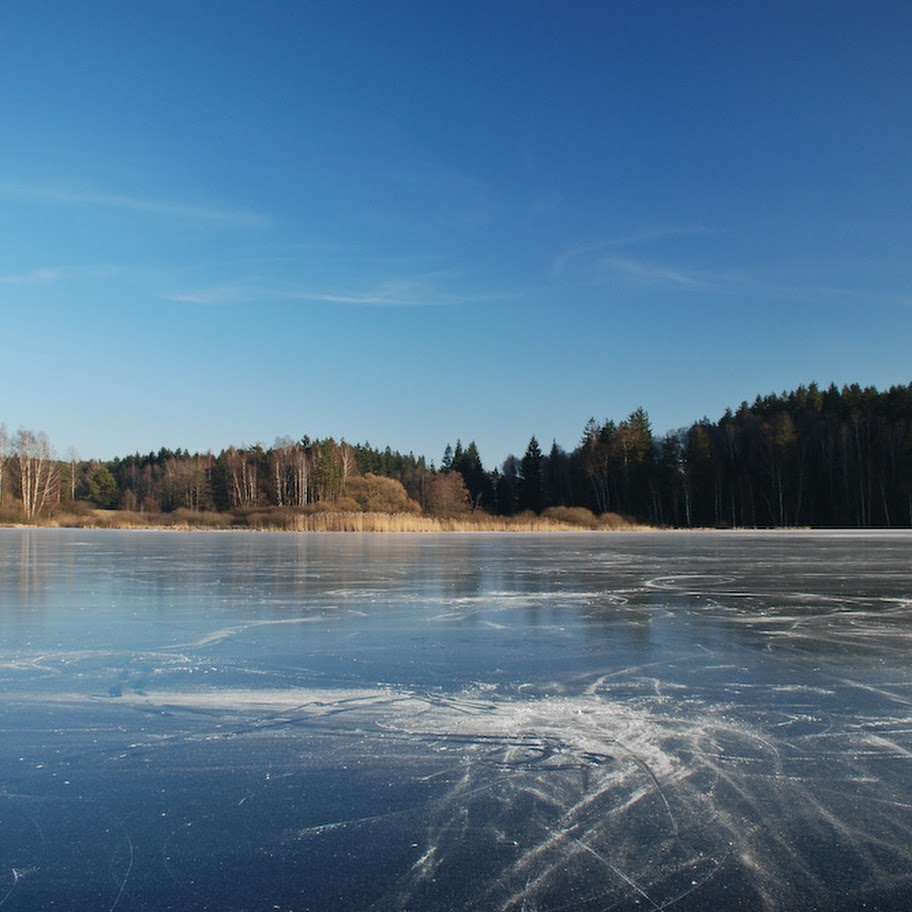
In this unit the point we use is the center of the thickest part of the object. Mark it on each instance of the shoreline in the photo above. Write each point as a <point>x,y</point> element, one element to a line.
<point>328,521</point>
<point>379,523</point>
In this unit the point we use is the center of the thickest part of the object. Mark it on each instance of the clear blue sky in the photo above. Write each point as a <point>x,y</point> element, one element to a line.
<point>412,222</point>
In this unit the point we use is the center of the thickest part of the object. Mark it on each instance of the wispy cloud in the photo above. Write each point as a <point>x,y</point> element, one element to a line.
<point>149,205</point>
<point>214,295</point>
<point>396,293</point>
<point>603,264</point>
<point>47,274</point>
<point>651,273</point>
<point>584,256</point>
<point>32,277</point>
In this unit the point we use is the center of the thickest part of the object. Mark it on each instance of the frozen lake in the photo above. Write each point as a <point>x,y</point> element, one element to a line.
<point>231,721</point>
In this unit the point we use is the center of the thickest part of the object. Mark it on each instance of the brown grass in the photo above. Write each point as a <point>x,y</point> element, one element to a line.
<point>323,518</point>
<point>406,522</point>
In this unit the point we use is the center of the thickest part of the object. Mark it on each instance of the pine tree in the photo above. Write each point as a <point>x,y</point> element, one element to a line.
<point>532,486</point>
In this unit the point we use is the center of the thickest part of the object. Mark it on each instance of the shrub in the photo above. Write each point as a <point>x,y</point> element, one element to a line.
<point>199,519</point>
<point>346,505</point>
<point>376,494</point>
<point>615,521</point>
<point>447,495</point>
<point>572,516</point>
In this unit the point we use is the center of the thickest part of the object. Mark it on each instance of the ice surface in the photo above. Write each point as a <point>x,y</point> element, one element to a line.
<point>475,722</point>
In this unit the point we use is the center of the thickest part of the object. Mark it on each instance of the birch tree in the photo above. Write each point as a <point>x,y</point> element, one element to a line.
<point>300,475</point>
<point>4,452</point>
<point>74,462</point>
<point>242,476</point>
<point>185,482</point>
<point>278,460</point>
<point>38,475</point>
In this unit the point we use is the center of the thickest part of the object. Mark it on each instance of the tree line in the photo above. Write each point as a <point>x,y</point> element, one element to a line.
<point>809,457</point>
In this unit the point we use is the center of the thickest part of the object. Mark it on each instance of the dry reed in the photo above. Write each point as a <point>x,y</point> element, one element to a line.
<point>279,519</point>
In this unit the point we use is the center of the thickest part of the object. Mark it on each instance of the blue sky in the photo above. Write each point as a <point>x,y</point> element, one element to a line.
<point>412,222</point>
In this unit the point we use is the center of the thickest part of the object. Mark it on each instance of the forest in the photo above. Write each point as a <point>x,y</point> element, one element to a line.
<point>809,457</point>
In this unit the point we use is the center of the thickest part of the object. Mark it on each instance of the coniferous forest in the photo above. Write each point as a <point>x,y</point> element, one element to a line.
<point>810,457</point>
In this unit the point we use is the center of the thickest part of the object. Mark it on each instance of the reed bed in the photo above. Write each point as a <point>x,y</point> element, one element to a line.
<point>277,519</point>
<point>402,522</point>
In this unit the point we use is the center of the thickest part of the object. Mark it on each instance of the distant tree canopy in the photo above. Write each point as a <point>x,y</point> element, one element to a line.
<point>834,457</point>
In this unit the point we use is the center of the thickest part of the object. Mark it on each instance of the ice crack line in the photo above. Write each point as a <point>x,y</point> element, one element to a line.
<point>619,873</point>
<point>126,877</point>
<point>18,874</point>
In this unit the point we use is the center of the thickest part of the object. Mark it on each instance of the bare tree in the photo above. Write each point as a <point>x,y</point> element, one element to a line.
<point>4,452</point>
<point>242,476</point>
<point>185,482</point>
<point>279,459</point>
<point>38,475</point>
<point>300,475</point>
<point>347,464</point>
<point>74,463</point>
